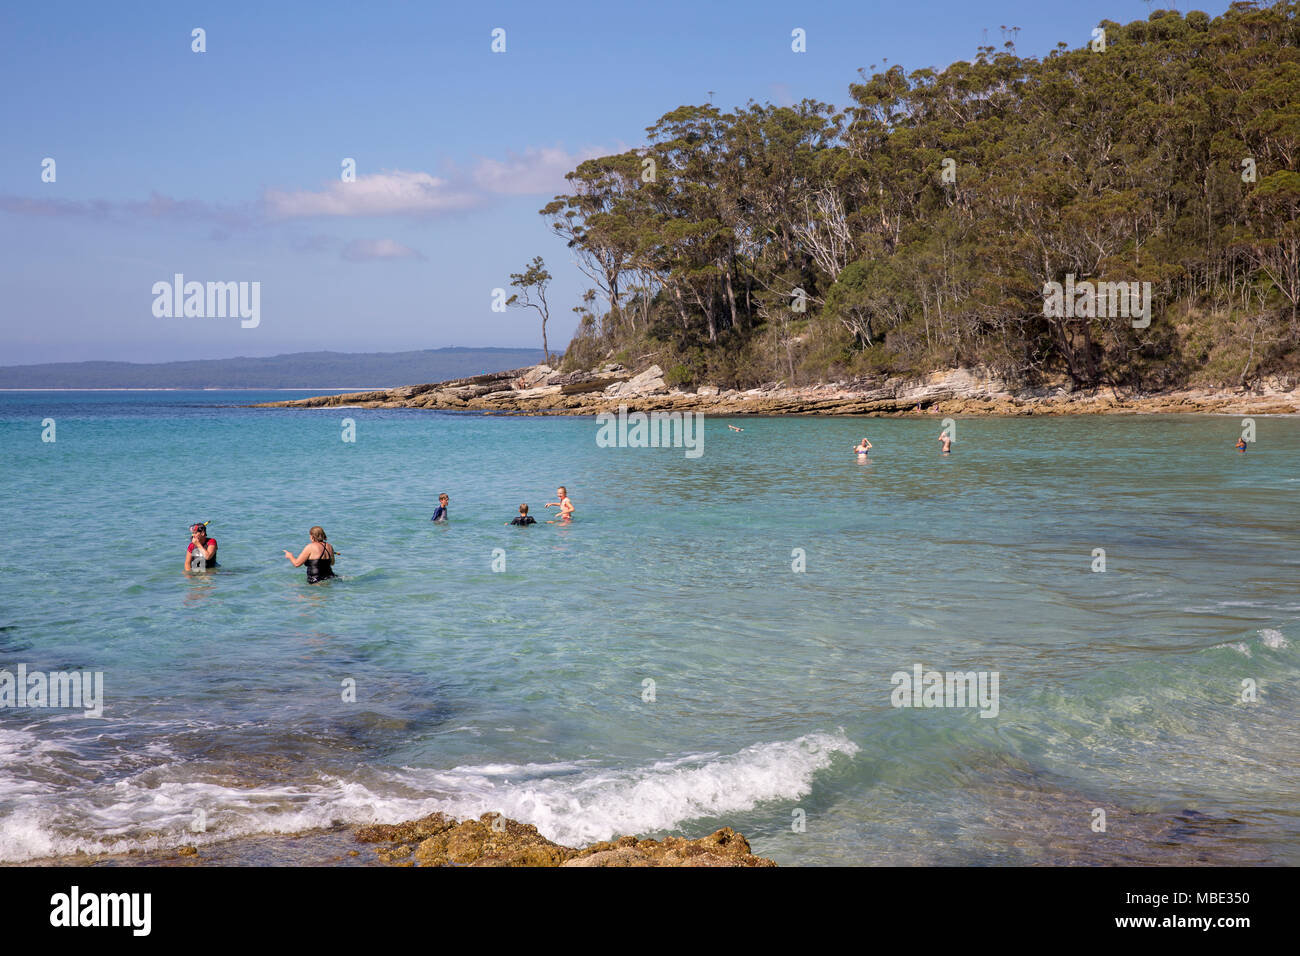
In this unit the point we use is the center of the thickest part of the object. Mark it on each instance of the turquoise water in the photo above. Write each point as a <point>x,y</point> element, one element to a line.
<point>522,690</point>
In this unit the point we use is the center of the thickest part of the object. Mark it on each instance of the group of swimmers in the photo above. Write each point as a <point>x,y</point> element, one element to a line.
<point>865,446</point>
<point>318,554</point>
<point>563,516</point>
<point>945,439</point>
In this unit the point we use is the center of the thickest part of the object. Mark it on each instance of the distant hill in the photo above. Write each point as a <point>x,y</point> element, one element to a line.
<point>293,370</point>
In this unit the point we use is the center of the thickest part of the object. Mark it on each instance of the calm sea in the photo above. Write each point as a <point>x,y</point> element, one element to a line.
<point>711,642</point>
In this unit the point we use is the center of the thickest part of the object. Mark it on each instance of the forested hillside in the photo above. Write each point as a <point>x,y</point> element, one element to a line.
<point>916,228</point>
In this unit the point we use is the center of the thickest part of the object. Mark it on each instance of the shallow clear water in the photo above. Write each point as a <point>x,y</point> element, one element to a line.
<point>522,690</point>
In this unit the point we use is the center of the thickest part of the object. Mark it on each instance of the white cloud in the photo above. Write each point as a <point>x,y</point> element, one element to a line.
<point>535,171</point>
<point>378,194</point>
<point>370,250</point>
<point>538,170</point>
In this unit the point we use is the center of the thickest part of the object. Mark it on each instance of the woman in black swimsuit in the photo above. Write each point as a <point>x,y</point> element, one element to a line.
<point>318,555</point>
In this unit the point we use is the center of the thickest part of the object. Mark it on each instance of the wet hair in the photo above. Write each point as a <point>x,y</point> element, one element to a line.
<point>523,509</point>
<point>564,489</point>
<point>443,495</point>
<point>317,533</point>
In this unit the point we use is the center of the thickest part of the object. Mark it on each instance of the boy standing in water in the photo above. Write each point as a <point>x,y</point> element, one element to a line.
<point>564,504</point>
<point>524,518</point>
<point>441,513</point>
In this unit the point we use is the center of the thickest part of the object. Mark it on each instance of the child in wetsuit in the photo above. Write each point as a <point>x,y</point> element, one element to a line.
<point>524,518</point>
<point>441,513</point>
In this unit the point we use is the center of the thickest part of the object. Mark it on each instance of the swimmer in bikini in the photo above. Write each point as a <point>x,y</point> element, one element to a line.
<point>1241,445</point>
<point>864,446</point>
<point>946,439</point>
<point>565,505</point>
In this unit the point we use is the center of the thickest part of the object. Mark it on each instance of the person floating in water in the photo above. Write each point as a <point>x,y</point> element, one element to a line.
<point>523,518</point>
<point>318,555</point>
<point>1241,445</point>
<point>946,439</point>
<point>441,513</point>
<point>735,429</point>
<point>202,552</point>
<point>864,446</point>
<point>565,505</point>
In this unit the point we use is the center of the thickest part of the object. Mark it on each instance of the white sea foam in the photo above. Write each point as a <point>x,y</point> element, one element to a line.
<point>1273,639</point>
<point>571,803</point>
<point>599,804</point>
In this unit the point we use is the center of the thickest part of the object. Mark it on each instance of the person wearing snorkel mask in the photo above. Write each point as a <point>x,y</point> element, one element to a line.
<point>202,552</point>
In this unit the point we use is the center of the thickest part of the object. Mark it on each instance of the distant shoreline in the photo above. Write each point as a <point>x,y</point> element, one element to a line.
<point>207,388</point>
<point>540,390</point>
<point>288,370</point>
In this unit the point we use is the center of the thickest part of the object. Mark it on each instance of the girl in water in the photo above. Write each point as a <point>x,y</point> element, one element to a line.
<point>864,446</point>
<point>318,555</point>
<point>565,514</point>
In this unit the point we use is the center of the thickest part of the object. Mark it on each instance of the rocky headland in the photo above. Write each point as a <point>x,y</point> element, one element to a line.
<point>541,390</point>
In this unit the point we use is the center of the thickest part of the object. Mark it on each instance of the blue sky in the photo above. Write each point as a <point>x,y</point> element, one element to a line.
<point>225,165</point>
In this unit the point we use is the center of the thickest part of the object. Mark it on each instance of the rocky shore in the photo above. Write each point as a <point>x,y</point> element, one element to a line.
<point>435,840</point>
<point>493,840</point>
<point>541,390</point>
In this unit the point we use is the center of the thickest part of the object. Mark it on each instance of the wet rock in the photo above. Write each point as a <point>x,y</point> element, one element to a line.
<point>494,840</point>
<point>725,847</point>
<point>410,832</point>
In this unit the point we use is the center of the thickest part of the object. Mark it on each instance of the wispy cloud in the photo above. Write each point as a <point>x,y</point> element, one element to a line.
<point>537,170</point>
<point>372,250</point>
<point>156,207</point>
<point>389,194</point>
<point>782,95</point>
<point>396,193</point>
<point>317,242</point>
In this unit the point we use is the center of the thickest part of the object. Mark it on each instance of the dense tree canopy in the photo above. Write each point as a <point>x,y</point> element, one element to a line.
<point>917,228</point>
